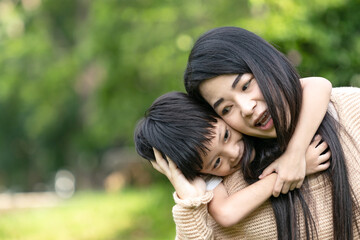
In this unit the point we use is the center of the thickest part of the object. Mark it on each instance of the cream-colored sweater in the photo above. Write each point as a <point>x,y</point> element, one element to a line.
<point>194,222</point>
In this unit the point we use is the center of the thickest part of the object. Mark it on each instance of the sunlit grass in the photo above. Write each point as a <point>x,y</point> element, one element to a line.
<point>129,214</point>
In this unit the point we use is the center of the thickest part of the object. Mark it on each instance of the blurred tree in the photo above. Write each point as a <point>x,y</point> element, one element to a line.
<point>321,37</point>
<point>76,75</point>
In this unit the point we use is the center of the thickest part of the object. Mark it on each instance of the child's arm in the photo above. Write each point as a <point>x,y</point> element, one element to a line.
<point>229,210</point>
<point>291,164</point>
<point>190,212</point>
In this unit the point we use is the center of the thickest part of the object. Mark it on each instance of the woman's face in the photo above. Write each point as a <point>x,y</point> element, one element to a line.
<point>239,101</point>
<point>225,151</point>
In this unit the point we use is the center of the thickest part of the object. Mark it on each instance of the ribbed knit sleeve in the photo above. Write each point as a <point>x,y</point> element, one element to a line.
<point>347,104</point>
<point>191,216</point>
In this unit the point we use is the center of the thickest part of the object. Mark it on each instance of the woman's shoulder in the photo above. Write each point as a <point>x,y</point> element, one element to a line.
<point>340,91</point>
<point>346,101</point>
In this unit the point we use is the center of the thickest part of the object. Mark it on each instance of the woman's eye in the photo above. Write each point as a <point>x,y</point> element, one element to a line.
<point>247,84</point>
<point>225,110</point>
<point>217,162</point>
<point>226,135</point>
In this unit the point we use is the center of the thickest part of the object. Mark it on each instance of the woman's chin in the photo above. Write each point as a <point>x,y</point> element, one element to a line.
<point>271,133</point>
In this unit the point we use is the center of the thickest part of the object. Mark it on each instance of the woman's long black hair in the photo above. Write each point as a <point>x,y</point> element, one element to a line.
<point>231,50</point>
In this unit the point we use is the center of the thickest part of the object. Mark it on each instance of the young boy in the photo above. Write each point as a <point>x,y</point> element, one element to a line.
<point>191,137</point>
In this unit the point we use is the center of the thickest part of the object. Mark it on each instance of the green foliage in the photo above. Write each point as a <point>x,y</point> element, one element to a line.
<point>323,37</point>
<point>143,214</point>
<point>76,75</point>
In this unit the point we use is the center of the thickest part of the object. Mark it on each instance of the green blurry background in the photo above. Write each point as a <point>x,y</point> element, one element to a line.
<point>76,75</point>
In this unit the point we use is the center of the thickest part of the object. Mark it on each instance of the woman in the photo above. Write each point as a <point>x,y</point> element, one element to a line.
<point>246,61</point>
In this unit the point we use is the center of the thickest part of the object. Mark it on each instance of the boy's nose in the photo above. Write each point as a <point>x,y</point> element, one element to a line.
<point>232,153</point>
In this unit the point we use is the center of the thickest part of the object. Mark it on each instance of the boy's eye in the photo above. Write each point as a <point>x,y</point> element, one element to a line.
<point>217,162</point>
<point>226,135</point>
<point>225,110</point>
<point>247,84</point>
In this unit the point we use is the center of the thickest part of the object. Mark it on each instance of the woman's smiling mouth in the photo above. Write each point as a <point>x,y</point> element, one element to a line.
<point>265,121</point>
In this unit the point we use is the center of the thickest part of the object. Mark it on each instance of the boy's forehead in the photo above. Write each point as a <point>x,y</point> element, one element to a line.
<point>214,131</point>
<point>211,142</point>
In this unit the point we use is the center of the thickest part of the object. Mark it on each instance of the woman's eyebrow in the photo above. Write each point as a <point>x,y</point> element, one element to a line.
<point>237,79</point>
<point>217,103</point>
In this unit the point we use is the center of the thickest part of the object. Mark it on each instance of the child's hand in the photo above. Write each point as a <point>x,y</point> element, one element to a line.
<point>316,160</point>
<point>291,168</point>
<point>183,187</point>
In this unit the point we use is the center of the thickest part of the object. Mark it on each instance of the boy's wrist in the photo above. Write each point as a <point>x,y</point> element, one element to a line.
<point>273,176</point>
<point>195,201</point>
<point>189,195</point>
<point>296,148</point>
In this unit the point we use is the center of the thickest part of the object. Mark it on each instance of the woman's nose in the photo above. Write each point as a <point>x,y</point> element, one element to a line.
<point>246,106</point>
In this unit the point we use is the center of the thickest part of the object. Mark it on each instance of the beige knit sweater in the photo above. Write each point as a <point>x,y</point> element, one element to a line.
<point>194,222</point>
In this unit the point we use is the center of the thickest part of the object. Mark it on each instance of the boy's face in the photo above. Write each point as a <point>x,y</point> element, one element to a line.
<point>225,151</point>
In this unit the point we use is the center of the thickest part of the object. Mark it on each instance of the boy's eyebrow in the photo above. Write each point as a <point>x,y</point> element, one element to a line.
<point>209,164</point>
<point>219,139</point>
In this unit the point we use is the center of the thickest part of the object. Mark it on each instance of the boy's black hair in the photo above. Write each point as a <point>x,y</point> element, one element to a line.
<point>179,127</point>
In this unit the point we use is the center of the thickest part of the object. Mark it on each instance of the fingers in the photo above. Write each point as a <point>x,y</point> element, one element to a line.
<point>165,166</point>
<point>285,189</point>
<point>316,140</point>
<point>293,186</point>
<point>161,162</point>
<point>172,165</point>
<point>157,167</point>
<point>324,157</point>
<point>267,171</point>
<point>158,156</point>
<point>281,187</point>
<point>324,162</point>
<point>322,147</point>
<point>278,186</point>
<point>324,166</point>
<point>299,183</point>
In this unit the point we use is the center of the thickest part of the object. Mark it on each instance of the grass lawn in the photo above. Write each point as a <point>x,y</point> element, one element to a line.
<point>130,214</point>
